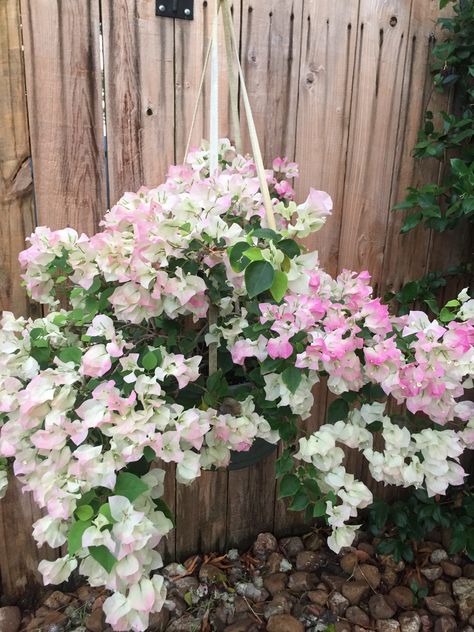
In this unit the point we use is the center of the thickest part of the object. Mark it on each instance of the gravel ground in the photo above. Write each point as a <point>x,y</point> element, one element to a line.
<point>288,585</point>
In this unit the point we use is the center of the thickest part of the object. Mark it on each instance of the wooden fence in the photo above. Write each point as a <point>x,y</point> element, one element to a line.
<point>338,85</point>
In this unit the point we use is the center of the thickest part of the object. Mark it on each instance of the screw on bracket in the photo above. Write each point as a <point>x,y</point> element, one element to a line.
<point>182,9</point>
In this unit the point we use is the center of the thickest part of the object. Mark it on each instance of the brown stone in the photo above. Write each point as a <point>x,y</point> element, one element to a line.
<point>432,573</point>
<point>463,589</point>
<point>284,623</point>
<point>275,583</point>
<point>184,585</point>
<point>468,571</point>
<point>381,607</point>
<point>334,582</point>
<point>367,548</point>
<point>243,624</point>
<point>84,593</point>
<point>292,546</point>
<point>10,619</point>
<point>348,562</point>
<point>387,625</point>
<point>440,586</point>
<point>57,600</point>
<point>158,621</point>
<point>273,563</point>
<point>309,561</point>
<point>54,617</point>
<point>343,626</point>
<point>337,603</point>
<point>319,597</point>
<point>410,621</point>
<point>368,573</point>
<point>355,591</point>
<point>265,544</point>
<point>280,604</point>
<point>301,581</point>
<point>439,605</point>
<point>210,573</point>
<point>95,622</point>
<point>35,624</point>
<point>402,596</point>
<point>313,542</point>
<point>438,555</point>
<point>389,577</point>
<point>354,614</point>
<point>450,569</point>
<point>445,623</point>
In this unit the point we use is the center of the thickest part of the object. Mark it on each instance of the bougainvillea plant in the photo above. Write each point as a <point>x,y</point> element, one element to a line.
<point>114,380</point>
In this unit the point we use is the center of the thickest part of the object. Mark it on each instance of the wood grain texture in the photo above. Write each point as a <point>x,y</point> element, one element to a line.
<point>378,80</point>
<point>328,43</point>
<point>63,83</point>
<point>191,43</point>
<point>16,202</point>
<point>139,94</point>
<point>270,45</point>
<point>250,503</point>
<point>406,255</point>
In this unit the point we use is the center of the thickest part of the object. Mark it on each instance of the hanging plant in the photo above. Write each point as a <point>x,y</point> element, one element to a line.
<point>114,381</point>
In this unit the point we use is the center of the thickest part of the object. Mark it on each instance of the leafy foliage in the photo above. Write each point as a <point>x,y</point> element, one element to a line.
<point>405,523</point>
<point>441,206</point>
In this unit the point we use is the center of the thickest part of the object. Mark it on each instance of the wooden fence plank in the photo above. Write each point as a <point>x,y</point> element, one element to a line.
<point>18,553</point>
<point>139,104</point>
<point>270,52</point>
<point>64,87</point>
<point>406,255</point>
<point>325,90</point>
<point>200,508</point>
<point>378,81</point>
<point>139,94</point>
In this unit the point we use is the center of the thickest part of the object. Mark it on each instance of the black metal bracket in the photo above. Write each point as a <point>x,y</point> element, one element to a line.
<point>182,9</point>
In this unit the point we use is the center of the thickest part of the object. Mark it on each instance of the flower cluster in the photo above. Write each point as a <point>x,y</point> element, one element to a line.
<point>116,379</point>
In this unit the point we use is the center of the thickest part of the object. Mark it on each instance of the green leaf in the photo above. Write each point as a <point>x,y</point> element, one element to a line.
<point>74,536</point>
<point>106,512</point>
<point>254,254</point>
<point>235,255</point>
<point>453,303</point>
<point>265,233</point>
<point>258,277</point>
<point>84,512</point>
<point>279,285</point>
<point>289,485</point>
<point>291,377</point>
<point>130,486</point>
<point>70,354</point>
<point>289,247</point>
<point>188,598</point>
<point>300,502</point>
<point>319,509</point>
<point>408,293</point>
<point>411,221</point>
<point>284,464</point>
<point>103,556</point>
<point>149,453</point>
<point>338,410</point>
<point>149,360</point>
<point>446,316</point>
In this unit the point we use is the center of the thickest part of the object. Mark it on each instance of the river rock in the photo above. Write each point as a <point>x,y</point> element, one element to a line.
<point>348,562</point>
<point>440,605</point>
<point>440,586</point>
<point>445,623</point>
<point>381,607</point>
<point>450,569</point>
<point>186,623</point>
<point>275,583</point>
<point>95,622</point>
<point>10,618</point>
<point>284,623</point>
<point>438,555</point>
<point>274,561</point>
<point>280,604</point>
<point>337,603</point>
<point>402,596</point>
<point>410,621</point>
<point>292,546</point>
<point>387,625</point>
<point>368,573</point>
<point>265,544</point>
<point>432,573</point>
<point>301,581</point>
<point>355,591</point>
<point>309,561</point>
<point>318,597</point>
<point>354,614</point>
<point>463,589</point>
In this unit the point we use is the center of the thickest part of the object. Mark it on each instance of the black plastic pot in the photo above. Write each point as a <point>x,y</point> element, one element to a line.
<point>260,450</point>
